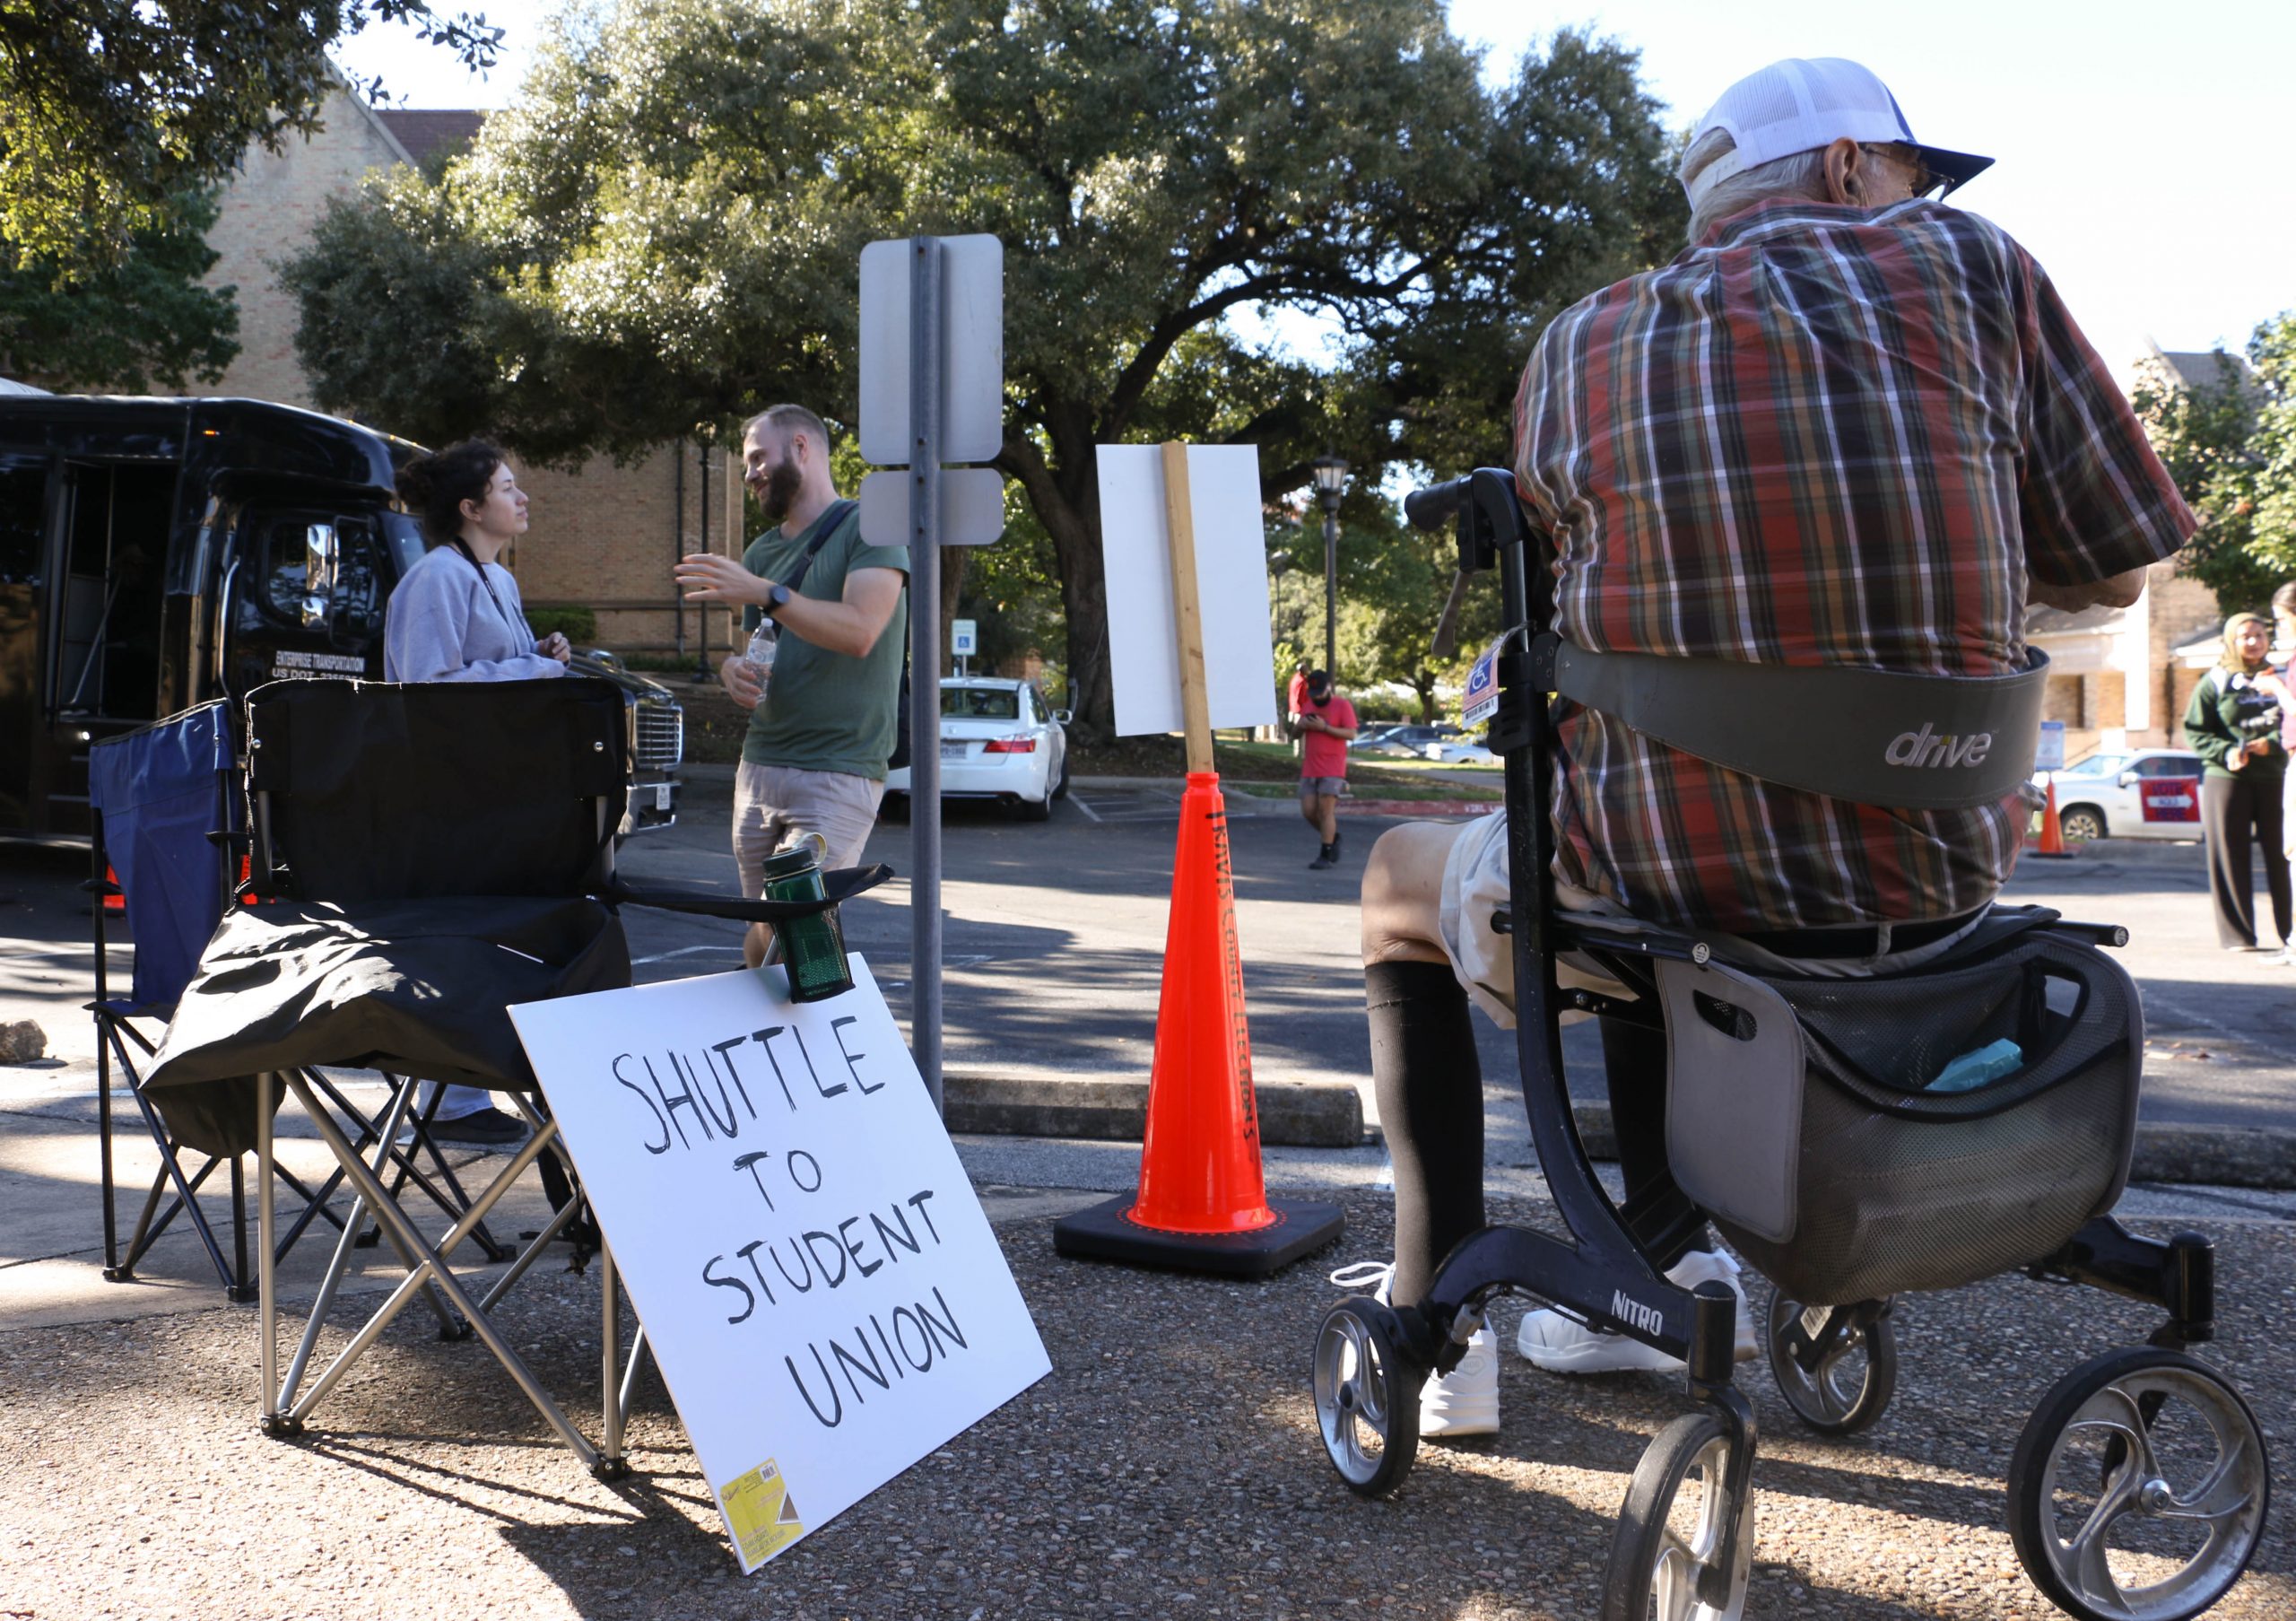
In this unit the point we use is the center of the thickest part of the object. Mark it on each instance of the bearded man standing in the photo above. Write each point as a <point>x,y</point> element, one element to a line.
<point>823,724</point>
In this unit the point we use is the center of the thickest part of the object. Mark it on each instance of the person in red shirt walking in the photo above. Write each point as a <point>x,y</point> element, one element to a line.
<point>1326,723</point>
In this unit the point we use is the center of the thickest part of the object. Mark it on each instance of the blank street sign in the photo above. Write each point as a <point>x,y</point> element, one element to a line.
<point>972,363</point>
<point>972,507</point>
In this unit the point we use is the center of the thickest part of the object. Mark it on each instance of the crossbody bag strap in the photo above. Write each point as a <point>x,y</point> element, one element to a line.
<point>494,597</point>
<point>827,525</point>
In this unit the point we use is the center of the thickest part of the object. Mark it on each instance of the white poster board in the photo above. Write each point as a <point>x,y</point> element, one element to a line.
<point>1231,580</point>
<point>818,1283</point>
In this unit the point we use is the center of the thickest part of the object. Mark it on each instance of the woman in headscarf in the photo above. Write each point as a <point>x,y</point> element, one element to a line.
<point>2234,724</point>
<point>457,617</point>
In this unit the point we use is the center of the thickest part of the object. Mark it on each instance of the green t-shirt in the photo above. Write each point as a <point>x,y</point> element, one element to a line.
<point>827,711</point>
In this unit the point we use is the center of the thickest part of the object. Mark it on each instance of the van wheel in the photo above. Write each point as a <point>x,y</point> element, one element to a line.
<point>2082,823</point>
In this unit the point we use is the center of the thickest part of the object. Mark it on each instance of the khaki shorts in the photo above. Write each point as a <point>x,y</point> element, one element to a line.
<point>1312,789</point>
<point>775,806</point>
<point>1475,887</point>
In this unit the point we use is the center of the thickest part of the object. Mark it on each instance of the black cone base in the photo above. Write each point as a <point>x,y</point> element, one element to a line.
<point>1104,1233</point>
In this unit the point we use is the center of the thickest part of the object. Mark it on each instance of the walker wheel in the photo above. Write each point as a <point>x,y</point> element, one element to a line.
<point>1670,1529</point>
<point>1367,1396</point>
<point>2138,1490</point>
<point>1836,1373</point>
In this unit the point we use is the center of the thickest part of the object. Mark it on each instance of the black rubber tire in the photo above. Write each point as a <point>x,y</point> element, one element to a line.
<point>2031,1513</point>
<point>1873,1397</point>
<point>1636,1545</point>
<point>893,807</point>
<point>1034,810</point>
<point>2084,822</point>
<point>1389,1406</point>
<point>1060,789</point>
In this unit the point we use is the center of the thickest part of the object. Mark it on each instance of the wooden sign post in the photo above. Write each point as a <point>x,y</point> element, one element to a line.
<point>1202,1204</point>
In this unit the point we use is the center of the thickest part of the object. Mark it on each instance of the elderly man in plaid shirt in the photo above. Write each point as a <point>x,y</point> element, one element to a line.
<point>1849,425</point>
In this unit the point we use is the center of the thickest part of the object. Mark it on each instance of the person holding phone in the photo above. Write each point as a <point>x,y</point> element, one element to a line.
<point>2233,723</point>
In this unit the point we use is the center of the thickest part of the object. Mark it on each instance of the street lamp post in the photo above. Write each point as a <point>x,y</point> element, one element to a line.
<point>1331,484</point>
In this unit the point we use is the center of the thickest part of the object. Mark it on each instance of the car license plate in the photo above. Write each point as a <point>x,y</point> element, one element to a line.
<point>661,796</point>
<point>953,751</point>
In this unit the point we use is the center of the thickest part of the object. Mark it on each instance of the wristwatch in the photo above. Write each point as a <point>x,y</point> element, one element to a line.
<point>776,600</point>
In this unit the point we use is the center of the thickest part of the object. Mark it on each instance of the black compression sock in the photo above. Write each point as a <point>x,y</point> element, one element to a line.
<point>1430,1091</point>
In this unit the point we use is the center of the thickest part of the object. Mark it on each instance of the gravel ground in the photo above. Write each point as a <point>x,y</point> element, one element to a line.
<point>1168,1467</point>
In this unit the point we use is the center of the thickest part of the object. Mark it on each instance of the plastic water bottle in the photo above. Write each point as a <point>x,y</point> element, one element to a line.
<point>1981,1068</point>
<point>764,641</point>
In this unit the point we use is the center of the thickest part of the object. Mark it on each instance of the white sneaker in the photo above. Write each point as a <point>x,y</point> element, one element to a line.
<point>1559,1346</point>
<point>1452,1406</point>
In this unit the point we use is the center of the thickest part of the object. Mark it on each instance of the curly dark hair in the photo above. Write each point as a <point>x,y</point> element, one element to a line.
<point>434,487</point>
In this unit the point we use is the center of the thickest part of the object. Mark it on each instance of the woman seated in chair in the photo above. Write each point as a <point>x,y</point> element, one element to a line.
<point>457,617</point>
<point>1828,483</point>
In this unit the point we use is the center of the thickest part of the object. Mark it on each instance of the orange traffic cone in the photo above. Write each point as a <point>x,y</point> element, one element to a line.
<point>1202,1205</point>
<point>2052,833</point>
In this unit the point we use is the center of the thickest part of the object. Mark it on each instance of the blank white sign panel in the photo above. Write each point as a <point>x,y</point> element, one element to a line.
<point>1231,586</point>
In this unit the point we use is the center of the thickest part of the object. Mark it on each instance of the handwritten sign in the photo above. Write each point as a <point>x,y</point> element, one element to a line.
<point>818,1281</point>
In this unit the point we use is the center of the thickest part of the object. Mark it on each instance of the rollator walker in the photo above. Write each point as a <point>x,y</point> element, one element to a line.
<point>1803,1121</point>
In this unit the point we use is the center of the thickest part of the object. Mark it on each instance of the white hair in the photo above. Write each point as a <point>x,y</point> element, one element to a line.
<point>1800,174</point>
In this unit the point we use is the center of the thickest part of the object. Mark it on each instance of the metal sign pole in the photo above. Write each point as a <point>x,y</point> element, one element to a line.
<point>925,660</point>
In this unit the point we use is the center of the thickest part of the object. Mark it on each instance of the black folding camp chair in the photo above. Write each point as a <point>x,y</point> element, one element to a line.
<point>423,858</point>
<point>170,837</point>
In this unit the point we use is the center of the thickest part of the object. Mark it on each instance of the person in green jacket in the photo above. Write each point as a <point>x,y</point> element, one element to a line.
<point>2234,724</point>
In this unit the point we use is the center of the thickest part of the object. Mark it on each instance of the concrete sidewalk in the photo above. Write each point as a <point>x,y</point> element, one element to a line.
<point>1168,1465</point>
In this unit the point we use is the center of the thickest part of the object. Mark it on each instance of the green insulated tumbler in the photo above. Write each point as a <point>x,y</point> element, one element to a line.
<point>813,948</point>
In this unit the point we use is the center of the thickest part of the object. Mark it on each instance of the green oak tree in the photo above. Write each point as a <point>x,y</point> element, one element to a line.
<point>141,320</point>
<point>112,112</point>
<point>665,229</point>
<point>2230,442</point>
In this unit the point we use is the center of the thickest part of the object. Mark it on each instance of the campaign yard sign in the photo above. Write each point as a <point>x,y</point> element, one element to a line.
<point>818,1283</point>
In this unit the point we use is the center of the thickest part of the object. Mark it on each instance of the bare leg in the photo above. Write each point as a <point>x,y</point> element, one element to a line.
<point>1326,817</point>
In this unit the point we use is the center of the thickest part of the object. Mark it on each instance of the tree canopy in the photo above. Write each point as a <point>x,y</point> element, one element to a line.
<point>2230,442</point>
<point>665,229</point>
<point>140,320</point>
<point>113,111</point>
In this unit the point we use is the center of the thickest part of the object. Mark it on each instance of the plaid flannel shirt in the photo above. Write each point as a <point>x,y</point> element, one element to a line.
<point>1824,436</point>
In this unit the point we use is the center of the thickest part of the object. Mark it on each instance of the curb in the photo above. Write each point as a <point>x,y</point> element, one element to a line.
<point>1291,1114</point>
<point>2215,1156</point>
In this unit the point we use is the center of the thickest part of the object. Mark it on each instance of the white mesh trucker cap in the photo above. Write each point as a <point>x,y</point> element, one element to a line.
<point>1800,104</point>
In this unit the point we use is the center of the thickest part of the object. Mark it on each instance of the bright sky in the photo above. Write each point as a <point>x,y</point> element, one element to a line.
<point>2142,145</point>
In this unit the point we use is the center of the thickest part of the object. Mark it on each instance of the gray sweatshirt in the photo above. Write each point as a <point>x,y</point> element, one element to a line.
<point>443,626</point>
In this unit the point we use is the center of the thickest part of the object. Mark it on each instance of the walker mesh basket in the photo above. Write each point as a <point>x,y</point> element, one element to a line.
<point>1799,1115</point>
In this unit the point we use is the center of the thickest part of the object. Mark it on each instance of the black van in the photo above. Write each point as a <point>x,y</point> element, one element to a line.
<point>155,553</point>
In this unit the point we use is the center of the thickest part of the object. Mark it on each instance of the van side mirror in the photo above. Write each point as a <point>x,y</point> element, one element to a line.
<point>2129,780</point>
<point>322,553</point>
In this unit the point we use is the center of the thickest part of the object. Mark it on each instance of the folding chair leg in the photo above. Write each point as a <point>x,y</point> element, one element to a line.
<point>103,1131</point>
<point>629,1372</point>
<point>239,1291</point>
<point>266,1266</point>
<point>432,1265</point>
<point>339,1263</point>
<point>611,1465</point>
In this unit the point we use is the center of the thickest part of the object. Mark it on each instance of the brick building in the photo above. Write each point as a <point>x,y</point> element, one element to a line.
<point>603,536</point>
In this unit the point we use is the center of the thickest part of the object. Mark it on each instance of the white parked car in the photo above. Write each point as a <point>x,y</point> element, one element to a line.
<point>2151,793</point>
<point>999,740</point>
<point>1459,751</point>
